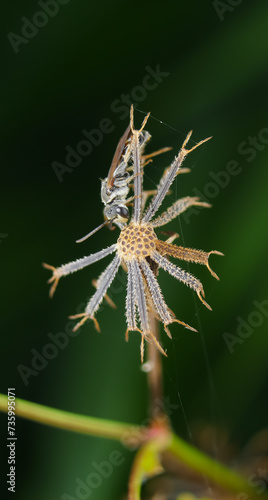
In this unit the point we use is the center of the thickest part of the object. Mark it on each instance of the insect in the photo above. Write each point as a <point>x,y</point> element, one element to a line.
<point>138,248</point>
<point>116,186</point>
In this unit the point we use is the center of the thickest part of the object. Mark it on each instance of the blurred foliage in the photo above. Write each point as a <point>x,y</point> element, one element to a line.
<point>69,76</point>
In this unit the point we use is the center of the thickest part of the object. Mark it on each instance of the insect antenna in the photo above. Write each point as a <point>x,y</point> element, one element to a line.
<point>91,232</point>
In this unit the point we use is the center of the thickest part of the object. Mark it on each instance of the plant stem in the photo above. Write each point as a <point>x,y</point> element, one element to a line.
<point>182,451</point>
<point>66,420</point>
<point>215,472</point>
<point>155,376</point>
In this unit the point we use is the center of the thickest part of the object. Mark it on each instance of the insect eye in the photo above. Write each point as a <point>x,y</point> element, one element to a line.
<point>123,212</point>
<point>141,139</point>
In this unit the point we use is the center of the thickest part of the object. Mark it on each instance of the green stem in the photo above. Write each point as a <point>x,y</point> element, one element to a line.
<point>66,420</point>
<point>212,470</point>
<point>182,451</point>
<point>146,463</point>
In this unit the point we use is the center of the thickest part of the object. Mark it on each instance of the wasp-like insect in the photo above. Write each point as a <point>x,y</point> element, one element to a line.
<point>116,186</point>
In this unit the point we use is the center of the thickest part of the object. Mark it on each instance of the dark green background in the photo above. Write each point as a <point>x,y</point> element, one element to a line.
<point>62,81</point>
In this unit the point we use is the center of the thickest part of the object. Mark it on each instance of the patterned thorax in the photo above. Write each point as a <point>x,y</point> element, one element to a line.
<point>136,241</point>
